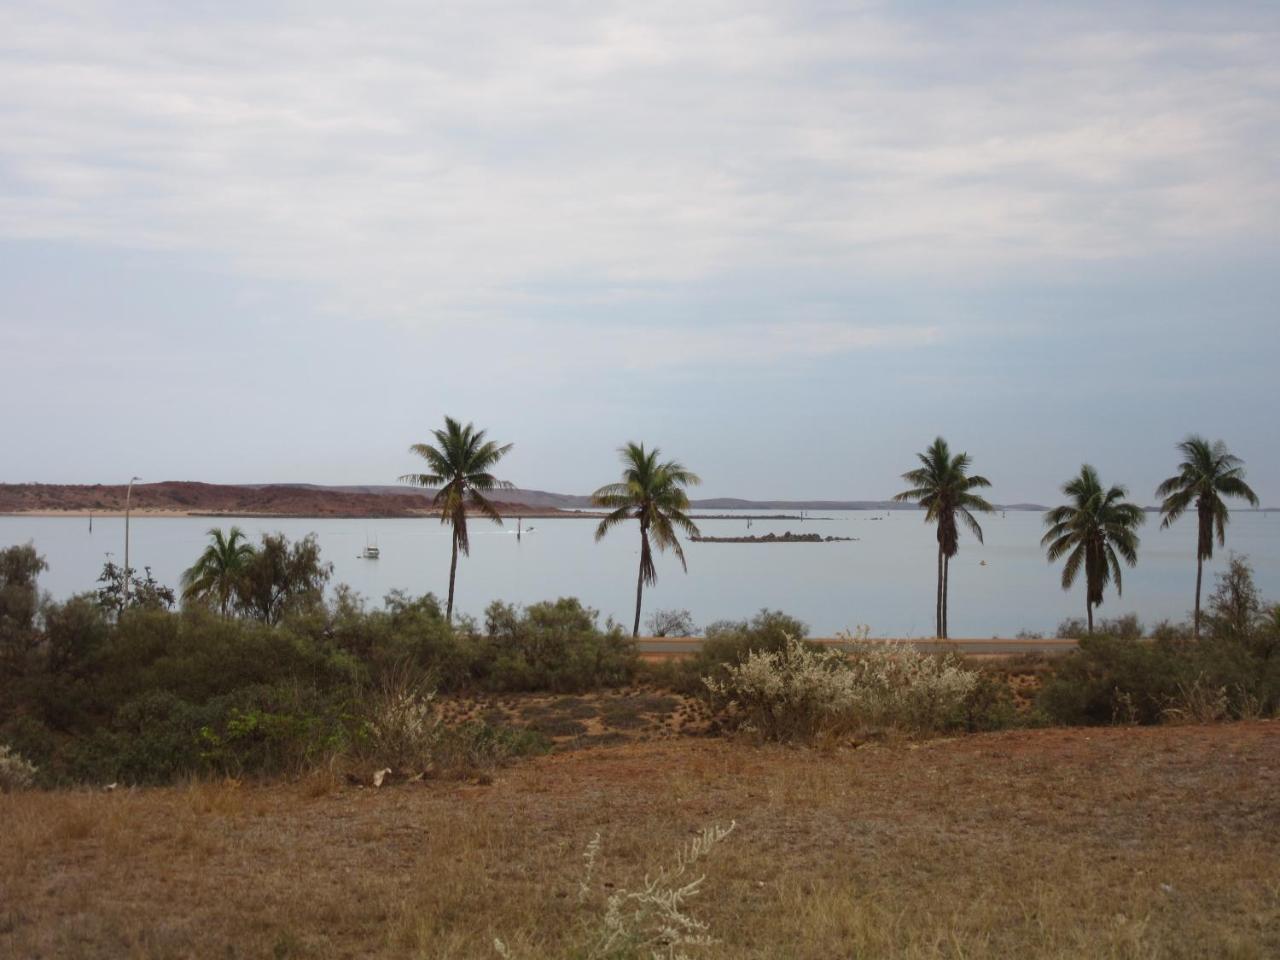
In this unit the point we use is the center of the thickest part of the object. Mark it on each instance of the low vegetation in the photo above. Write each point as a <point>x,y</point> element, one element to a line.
<point>96,690</point>
<point>262,673</point>
<point>805,693</point>
<point>16,773</point>
<point>1120,676</point>
<point>650,919</point>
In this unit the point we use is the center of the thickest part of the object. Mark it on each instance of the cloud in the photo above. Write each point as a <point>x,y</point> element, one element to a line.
<point>420,167</point>
<point>642,348</point>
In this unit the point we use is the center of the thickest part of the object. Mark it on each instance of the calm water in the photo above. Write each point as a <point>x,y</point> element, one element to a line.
<point>885,579</point>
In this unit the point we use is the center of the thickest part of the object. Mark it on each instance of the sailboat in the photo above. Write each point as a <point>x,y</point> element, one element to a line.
<point>371,551</point>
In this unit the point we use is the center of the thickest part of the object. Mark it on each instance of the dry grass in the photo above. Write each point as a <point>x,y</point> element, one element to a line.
<point>1129,843</point>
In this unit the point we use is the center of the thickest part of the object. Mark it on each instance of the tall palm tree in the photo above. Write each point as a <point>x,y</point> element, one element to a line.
<point>459,465</point>
<point>1090,531</point>
<point>942,486</point>
<point>651,492</point>
<point>217,571</point>
<point>1208,473</point>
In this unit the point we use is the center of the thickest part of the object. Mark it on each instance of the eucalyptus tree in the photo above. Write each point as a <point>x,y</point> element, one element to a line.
<point>219,570</point>
<point>1208,473</point>
<point>1094,532</point>
<point>652,492</point>
<point>20,569</point>
<point>283,578</point>
<point>943,487</point>
<point>459,465</point>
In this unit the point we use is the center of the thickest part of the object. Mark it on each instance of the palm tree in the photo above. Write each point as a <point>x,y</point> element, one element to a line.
<point>941,485</point>
<point>1090,531</point>
<point>218,571</point>
<point>651,492</point>
<point>1208,473</point>
<point>459,464</point>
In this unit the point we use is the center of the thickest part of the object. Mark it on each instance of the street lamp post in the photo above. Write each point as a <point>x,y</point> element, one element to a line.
<point>127,495</point>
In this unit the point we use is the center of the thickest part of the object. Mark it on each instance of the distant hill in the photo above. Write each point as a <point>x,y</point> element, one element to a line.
<point>196,499</point>
<point>529,498</point>
<point>368,500</point>
<point>569,501</point>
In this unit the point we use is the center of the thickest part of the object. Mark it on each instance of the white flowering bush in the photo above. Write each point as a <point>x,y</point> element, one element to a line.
<point>404,735</point>
<point>403,726</point>
<point>807,693</point>
<point>800,692</point>
<point>15,772</point>
<point>900,687</point>
<point>649,921</point>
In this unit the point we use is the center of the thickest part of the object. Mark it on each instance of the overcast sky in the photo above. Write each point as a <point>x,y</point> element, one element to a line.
<point>788,242</point>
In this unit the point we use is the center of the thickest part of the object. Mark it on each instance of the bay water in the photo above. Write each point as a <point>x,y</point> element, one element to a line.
<point>884,579</point>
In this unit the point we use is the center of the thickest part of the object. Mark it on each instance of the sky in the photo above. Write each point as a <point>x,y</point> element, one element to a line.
<point>787,243</point>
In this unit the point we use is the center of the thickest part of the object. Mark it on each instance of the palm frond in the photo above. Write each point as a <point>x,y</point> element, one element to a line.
<point>620,515</point>
<point>1072,567</point>
<point>477,500</point>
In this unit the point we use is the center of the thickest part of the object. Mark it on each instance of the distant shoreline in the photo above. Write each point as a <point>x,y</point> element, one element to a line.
<point>181,498</point>
<point>524,514</point>
<point>167,514</point>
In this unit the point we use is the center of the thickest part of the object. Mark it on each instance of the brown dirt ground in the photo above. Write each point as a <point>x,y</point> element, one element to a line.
<point>1113,842</point>
<point>571,722</point>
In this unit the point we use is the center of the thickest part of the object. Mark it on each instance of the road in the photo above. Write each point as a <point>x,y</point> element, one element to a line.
<point>970,646</point>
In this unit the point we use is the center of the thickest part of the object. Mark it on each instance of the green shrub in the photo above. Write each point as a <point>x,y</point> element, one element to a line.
<point>98,693</point>
<point>75,632</point>
<point>1126,627</point>
<point>20,567</point>
<point>726,643</point>
<point>554,645</point>
<point>198,655</point>
<point>475,748</point>
<point>286,728</point>
<point>406,630</point>
<point>151,739</point>
<point>1111,680</point>
<point>989,705</point>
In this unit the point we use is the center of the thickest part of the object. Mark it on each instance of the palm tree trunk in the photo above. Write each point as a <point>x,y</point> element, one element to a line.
<point>635,629</point>
<point>937,610</point>
<point>1199,578</point>
<point>1088,606</point>
<point>453,573</point>
<point>946,588</point>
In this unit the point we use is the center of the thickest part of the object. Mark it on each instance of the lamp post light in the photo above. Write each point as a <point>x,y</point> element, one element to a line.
<point>127,495</point>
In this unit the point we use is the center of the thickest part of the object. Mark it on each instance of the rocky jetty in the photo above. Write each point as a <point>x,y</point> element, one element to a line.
<point>787,537</point>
